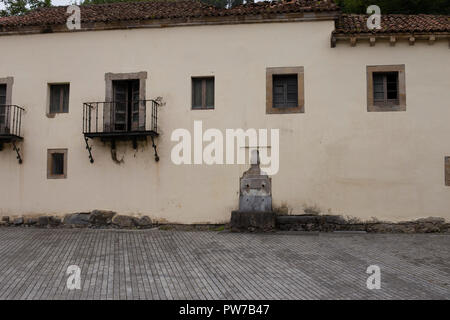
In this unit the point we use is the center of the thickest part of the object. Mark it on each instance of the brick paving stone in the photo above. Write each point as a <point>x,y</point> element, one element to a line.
<point>155,264</point>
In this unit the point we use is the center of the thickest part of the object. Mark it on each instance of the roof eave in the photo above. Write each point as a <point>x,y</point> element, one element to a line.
<point>173,22</point>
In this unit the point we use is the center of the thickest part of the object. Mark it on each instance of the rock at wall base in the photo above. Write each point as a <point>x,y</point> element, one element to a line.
<point>127,222</point>
<point>48,221</point>
<point>330,223</point>
<point>143,222</point>
<point>77,220</point>
<point>18,221</point>
<point>252,221</point>
<point>101,217</point>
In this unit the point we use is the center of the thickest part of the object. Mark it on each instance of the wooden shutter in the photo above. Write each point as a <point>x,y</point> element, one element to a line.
<point>209,94</point>
<point>291,91</point>
<point>135,106</point>
<point>65,98</point>
<point>142,104</point>
<point>120,106</point>
<point>59,98</point>
<point>197,93</point>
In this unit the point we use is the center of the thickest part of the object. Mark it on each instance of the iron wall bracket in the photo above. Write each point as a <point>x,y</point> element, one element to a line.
<point>17,150</point>
<point>89,149</point>
<point>154,148</point>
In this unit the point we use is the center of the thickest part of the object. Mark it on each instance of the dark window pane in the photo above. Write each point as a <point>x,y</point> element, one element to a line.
<point>65,98</point>
<point>2,107</point>
<point>378,86</point>
<point>392,85</point>
<point>57,163</point>
<point>2,94</point>
<point>59,98</point>
<point>54,100</point>
<point>210,93</point>
<point>285,91</point>
<point>196,93</point>
<point>385,88</point>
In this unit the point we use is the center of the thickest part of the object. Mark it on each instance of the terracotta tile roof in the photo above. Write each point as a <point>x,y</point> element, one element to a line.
<point>393,23</point>
<point>154,10</point>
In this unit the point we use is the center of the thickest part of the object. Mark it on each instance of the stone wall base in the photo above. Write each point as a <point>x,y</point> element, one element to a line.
<point>330,223</point>
<point>252,221</point>
<point>240,221</point>
<point>94,219</point>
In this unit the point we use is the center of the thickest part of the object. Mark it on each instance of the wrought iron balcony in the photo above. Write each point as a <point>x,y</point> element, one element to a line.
<point>120,120</point>
<point>10,126</point>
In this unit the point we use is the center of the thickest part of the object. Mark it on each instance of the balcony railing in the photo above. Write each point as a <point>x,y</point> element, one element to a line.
<point>119,120</point>
<point>10,126</point>
<point>115,118</point>
<point>10,122</point>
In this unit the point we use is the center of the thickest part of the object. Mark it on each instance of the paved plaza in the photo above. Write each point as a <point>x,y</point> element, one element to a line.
<point>156,264</point>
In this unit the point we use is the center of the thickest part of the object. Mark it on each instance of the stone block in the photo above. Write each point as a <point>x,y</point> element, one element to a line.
<point>261,221</point>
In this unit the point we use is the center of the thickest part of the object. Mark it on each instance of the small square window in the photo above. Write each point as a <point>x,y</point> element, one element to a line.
<point>203,93</point>
<point>386,88</point>
<point>57,164</point>
<point>59,98</point>
<point>285,90</point>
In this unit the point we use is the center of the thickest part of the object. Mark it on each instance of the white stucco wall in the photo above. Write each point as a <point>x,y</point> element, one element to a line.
<point>336,156</point>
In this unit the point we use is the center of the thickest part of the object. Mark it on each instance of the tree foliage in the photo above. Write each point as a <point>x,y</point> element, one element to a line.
<point>397,6</point>
<point>18,7</point>
<point>216,3</point>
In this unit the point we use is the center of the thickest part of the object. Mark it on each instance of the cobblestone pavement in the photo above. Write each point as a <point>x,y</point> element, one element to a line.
<point>154,264</point>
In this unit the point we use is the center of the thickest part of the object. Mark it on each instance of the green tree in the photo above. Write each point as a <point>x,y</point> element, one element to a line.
<point>18,7</point>
<point>397,6</point>
<point>216,3</point>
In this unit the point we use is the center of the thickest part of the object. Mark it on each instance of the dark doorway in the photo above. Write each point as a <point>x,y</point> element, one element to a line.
<point>126,105</point>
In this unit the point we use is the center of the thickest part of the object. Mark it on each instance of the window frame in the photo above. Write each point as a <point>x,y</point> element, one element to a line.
<point>8,82</point>
<point>204,88</point>
<point>387,104</point>
<point>280,71</point>
<point>61,106</point>
<point>50,153</point>
<point>110,77</point>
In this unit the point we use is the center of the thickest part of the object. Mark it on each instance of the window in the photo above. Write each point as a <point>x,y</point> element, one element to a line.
<point>126,108</point>
<point>203,93</point>
<point>59,98</point>
<point>5,100</point>
<point>57,164</point>
<point>126,104</point>
<point>386,88</point>
<point>447,171</point>
<point>3,108</point>
<point>285,90</point>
